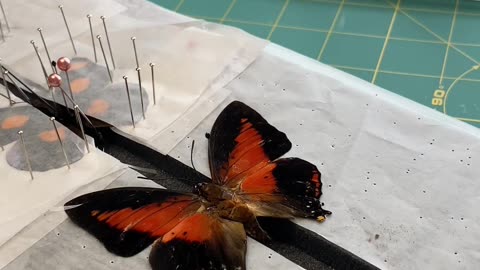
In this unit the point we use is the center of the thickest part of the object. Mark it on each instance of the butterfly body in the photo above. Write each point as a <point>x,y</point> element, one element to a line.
<point>207,229</point>
<point>223,201</point>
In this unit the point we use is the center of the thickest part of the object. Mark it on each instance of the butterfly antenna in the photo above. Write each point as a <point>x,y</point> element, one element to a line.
<point>191,155</point>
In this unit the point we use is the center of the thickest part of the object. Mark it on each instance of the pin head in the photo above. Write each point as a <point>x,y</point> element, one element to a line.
<point>20,132</point>
<point>99,36</point>
<point>32,42</point>
<point>52,118</point>
<point>89,16</point>
<point>39,29</point>
<point>152,64</point>
<point>125,77</point>
<point>54,80</point>
<point>60,6</point>
<point>133,38</point>
<point>102,17</point>
<point>63,63</point>
<point>138,69</point>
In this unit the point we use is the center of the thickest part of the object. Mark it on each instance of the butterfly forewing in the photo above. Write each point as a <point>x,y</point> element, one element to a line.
<point>241,141</point>
<point>127,220</point>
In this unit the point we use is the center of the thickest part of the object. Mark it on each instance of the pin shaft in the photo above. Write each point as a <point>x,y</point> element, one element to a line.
<point>63,95</point>
<point>40,60</point>
<point>69,86</point>
<point>93,39</point>
<point>152,65</point>
<point>4,16</point>
<point>141,92</point>
<point>27,159</point>
<point>60,141</point>
<point>79,121</point>
<point>46,49</point>
<point>68,29</point>
<point>16,86</point>
<point>1,31</point>
<point>129,101</point>
<point>108,41</point>
<point>6,85</point>
<point>104,57</point>
<point>135,50</point>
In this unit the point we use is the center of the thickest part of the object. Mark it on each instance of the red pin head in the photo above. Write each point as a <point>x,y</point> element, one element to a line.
<point>54,80</point>
<point>63,63</point>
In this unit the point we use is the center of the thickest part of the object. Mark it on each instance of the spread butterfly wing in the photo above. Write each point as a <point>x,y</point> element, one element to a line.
<point>185,234</point>
<point>127,220</point>
<point>285,187</point>
<point>243,154</point>
<point>202,241</point>
<point>242,141</point>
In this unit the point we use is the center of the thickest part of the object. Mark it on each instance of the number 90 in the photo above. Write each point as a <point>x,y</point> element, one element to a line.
<point>438,96</point>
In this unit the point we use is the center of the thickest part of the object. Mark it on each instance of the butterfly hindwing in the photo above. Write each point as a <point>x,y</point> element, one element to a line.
<point>240,141</point>
<point>201,241</point>
<point>127,220</point>
<point>285,186</point>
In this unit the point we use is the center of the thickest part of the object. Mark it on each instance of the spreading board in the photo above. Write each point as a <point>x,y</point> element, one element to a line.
<point>415,48</point>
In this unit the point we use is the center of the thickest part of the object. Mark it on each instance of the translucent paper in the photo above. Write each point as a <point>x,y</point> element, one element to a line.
<point>192,60</point>
<point>400,178</point>
<point>46,222</point>
<point>22,199</point>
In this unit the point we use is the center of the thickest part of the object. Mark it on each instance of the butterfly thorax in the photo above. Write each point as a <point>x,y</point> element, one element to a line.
<point>223,202</point>
<point>212,192</point>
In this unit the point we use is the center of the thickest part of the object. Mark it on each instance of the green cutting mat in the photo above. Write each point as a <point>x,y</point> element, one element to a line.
<point>425,50</point>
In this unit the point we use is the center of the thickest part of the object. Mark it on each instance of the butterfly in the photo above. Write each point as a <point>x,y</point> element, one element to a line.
<point>208,229</point>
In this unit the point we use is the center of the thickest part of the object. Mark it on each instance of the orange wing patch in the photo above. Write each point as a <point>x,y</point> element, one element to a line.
<point>316,182</point>
<point>77,66</point>
<point>197,228</point>
<point>248,153</point>
<point>14,122</point>
<point>261,181</point>
<point>80,85</point>
<point>154,219</point>
<point>99,107</point>
<point>51,135</point>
